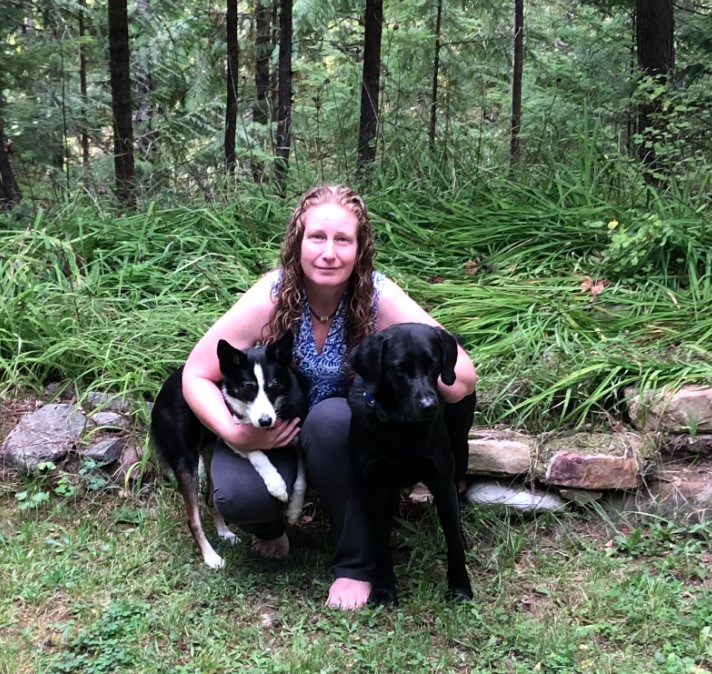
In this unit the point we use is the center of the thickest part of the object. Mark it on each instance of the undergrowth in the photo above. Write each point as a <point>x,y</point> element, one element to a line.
<point>113,583</point>
<point>563,298</point>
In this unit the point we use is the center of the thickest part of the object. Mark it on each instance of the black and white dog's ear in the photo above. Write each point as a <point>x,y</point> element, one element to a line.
<point>229,357</point>
<point>448,349</point>
<point>281,350</point>
<point>365,358</point>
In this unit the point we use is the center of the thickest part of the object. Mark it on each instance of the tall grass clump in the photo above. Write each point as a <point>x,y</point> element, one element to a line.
<point>564,294</point>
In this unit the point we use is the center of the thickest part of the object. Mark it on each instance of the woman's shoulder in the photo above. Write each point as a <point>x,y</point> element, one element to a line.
<point>254,305</point>
<point>397,306</point>
<point>272,278</point>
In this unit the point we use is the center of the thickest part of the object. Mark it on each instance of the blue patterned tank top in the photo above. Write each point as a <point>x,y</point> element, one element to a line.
<point>327,372</point>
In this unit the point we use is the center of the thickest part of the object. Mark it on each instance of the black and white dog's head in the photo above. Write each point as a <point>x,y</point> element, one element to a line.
<point>259,384</point>
<point>400,367</point>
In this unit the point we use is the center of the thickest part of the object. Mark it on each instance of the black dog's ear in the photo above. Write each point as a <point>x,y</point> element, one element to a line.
<point>365,358</point>
<point>229,357</point>
<point>448,348</point>
<point>281,350</point>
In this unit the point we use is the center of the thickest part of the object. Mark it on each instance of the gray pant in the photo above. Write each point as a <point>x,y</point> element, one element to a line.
<point>242,498</point>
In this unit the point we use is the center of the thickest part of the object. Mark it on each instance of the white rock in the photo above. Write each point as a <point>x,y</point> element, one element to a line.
<point>518,498</point>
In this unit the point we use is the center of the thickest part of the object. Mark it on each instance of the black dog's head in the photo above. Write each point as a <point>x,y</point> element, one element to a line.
<point>400,367</point>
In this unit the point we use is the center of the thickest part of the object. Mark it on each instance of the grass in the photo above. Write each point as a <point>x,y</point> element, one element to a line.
<point>115,301</point>
<point>109,580</point>
<point>114,583</point>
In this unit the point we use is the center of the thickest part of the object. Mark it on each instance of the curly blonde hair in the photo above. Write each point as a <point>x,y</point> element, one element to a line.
<point>287,310</point>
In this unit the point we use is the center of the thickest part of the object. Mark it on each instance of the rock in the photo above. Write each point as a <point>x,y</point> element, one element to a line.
<point>499,453</point>
<point>104,451</point>
<point>681,492</point>
<point>687,444</point>
<point>420,494</point>
<point>106,402</point>
<point>486,492</point>
<point>684,484</point>
<point>594,471</point>
<point>45,435</point>
<point>687,410</point>
<point>595,460</point>
<point>129,469</point>
<point>109,421</point>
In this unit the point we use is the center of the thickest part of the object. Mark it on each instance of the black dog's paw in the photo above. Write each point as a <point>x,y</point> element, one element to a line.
<point>463,593</point>
<point>382,596</point>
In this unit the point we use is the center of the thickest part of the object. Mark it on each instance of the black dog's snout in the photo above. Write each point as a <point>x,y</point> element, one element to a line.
<point>265,421</point>
<point>427,405</point>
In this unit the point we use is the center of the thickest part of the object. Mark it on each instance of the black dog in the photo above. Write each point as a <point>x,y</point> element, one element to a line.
<point>398,438</point>
<point>259,386</point>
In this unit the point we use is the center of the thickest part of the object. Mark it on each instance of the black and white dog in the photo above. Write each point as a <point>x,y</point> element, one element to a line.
<point>398,438</point>
<point>259,386</point>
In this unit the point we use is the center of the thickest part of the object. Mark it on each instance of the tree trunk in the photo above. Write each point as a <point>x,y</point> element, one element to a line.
<point>232,75</point>
<point>9,191</point>
<point>121,101</point>
<point>143,118</point>
<point>655,30</point>
<point>436,71</point>
<point>83,132</point>
<point>284,96</point>
<point>274,75</point>
<point>263,49</point>
<point>518,68</point>
<point>368,122</point>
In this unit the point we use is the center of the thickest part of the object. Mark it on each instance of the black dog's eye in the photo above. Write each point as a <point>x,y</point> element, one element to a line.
<point>402,367</point>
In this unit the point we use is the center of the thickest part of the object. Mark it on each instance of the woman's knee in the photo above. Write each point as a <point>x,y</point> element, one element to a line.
<point>239,492</point>
<point>326,428</point>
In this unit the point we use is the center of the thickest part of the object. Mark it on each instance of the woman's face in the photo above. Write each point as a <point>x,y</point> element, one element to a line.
<point>329,245</point>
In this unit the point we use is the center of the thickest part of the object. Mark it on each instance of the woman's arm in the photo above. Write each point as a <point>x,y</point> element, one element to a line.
<point>241,326</point>
<point>396,306</point>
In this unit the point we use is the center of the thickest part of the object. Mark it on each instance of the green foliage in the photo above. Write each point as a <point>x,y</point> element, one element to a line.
<point>48,481</point>
<point>578,62</point>
<point>564,293</point>
<point>107,644</point>
<point>99,586</point>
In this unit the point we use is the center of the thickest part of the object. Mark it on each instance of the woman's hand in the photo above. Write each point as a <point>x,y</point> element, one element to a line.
<point>248,438</point>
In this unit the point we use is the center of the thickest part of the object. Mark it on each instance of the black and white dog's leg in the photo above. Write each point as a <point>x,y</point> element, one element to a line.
<point>188,487</point>
<point>269,474</point>
<point>220,524</point>
<point>296,502</point>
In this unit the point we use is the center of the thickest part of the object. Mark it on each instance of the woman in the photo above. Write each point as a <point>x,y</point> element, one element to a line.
<point>328,293</point>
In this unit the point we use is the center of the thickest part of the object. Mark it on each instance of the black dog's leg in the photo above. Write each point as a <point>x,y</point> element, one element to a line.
<point>380,516</point>
<point>448,509</point>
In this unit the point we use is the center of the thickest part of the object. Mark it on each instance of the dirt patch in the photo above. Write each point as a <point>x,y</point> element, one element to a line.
<point>12,409</point>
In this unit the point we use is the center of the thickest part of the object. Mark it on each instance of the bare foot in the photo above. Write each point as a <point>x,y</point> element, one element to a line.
<point>275,548</point>
<point>348,594</point>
